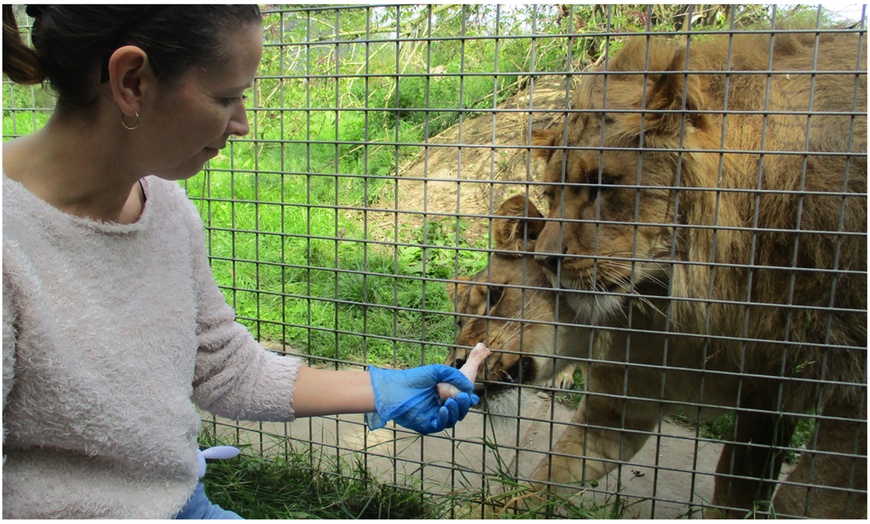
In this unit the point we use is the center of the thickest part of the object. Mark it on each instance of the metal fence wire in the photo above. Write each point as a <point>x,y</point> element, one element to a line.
<point>655,216</point>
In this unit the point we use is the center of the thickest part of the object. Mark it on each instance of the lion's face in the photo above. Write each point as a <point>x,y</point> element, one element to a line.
<point>510,307</point>
<point>612,237</point>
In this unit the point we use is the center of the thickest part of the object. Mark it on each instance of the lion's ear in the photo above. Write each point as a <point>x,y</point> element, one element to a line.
<point>544,138</point>
<point>520,227</point>
<point>675,92</point>
<point>454,289</point>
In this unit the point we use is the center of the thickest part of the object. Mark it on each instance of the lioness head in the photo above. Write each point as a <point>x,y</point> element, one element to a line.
<point>510,307</point>
<point>615,207</point>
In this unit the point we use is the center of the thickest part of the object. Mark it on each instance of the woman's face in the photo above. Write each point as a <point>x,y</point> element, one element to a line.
<point>188,122</point>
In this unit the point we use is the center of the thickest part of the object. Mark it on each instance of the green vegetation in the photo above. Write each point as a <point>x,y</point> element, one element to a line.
<point>721,427</point>
<point>302,487</point>
<point>310,484</point>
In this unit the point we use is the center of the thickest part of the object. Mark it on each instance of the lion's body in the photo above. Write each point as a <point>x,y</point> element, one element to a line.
<point>742,238</point>
<point>723,245</point>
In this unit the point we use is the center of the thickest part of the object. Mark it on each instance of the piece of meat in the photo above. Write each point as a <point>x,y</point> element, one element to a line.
<point>469,369</point>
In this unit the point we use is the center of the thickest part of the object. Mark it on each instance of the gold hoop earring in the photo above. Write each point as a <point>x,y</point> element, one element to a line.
<point>124,122</point>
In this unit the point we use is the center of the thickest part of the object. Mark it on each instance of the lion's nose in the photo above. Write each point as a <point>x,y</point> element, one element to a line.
<point>458,363</point>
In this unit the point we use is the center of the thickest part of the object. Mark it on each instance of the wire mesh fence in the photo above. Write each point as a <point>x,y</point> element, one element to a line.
<point>654,215</point>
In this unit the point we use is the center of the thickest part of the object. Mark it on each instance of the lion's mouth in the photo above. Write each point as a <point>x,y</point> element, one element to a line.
<point>595,302</point>
<point>566,284</point>
<point>639,281</point>
<point>519,373</point>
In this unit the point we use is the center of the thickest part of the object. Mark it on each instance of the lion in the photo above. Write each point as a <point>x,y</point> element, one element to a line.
<point>707,231</point>
<point>723,213</point>
<point>510,306</point>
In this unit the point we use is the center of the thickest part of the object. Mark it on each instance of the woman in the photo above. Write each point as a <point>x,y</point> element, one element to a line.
<point>114,330</point>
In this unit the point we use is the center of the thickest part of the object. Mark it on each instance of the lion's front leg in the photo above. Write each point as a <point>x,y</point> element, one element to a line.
<point>830,480</point>
<point>595,443</point>
<point>750,463</point>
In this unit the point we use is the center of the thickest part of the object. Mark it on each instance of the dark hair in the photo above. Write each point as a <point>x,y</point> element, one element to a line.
<point>72,43</point>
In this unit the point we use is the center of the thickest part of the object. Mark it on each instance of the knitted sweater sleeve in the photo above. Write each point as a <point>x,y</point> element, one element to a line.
<point>235,376</point>
<point>8,345</point>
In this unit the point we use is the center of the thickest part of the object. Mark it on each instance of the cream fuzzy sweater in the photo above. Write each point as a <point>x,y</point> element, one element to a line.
<point>113,335</point>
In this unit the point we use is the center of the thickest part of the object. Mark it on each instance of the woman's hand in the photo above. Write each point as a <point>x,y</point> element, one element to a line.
<point>410,398</point>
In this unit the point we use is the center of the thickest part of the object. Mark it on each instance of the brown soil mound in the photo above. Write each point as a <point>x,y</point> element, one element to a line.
<point>471,168</point>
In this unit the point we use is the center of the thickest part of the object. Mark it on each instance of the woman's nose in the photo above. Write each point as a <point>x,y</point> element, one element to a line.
<point>238,125</point>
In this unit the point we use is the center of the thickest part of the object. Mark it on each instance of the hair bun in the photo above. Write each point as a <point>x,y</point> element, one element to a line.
<point>35,10</point>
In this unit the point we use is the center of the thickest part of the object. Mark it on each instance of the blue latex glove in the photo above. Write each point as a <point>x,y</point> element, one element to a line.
<point>409,397</point>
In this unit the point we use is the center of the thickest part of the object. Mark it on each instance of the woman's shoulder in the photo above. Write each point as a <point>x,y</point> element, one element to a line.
<point>169,199</point>
<point>167,208</point>
<point>20,206</point>
<point>156,187</point>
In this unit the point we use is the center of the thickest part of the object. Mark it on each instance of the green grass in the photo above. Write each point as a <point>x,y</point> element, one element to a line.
<point>300,487</point>
<point>301,272</point>
<point>311,485</point>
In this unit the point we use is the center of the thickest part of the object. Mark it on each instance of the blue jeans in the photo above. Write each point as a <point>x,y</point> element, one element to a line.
<point>199,507</point>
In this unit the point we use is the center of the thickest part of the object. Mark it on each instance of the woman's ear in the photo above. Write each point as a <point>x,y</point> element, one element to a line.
<point>130,75</point>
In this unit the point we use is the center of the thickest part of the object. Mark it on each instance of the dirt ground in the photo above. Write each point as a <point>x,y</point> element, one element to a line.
<point>670,477</point>
<point>471,168</point>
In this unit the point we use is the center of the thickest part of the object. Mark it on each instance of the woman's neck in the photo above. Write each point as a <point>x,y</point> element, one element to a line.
<point>74,169</point>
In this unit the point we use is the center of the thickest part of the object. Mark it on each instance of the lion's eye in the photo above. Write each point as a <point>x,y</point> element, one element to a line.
<point>598,184</point>
<point>494,295</point>
<point>593,192</point>
<point>548,194</point>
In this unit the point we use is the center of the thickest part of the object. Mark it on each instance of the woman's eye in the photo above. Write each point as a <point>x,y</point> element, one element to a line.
<point>230,100</point>
<point>234,100</point>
